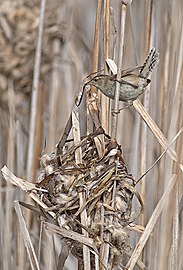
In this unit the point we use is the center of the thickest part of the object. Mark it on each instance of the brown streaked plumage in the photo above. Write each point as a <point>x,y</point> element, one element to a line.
<point>132,85</point>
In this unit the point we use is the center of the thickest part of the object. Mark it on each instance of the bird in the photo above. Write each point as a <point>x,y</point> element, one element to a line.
<point>133,81</point>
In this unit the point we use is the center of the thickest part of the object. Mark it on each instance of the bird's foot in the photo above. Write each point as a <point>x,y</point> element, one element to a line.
<point>119,110</point>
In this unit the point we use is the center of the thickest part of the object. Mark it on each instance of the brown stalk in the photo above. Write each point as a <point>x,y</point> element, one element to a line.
<point>150,225</point>
<point>120,55</point>
<point>82,199</point>
<point>146,101</point>
<point>27,240</point>
<point>10,162</point>
<point>104,100</point>
<point>34,99</point>
<point>54,94</point>
<point>91,100</point>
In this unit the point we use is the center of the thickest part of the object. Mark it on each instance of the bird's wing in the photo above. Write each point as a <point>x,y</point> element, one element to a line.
<point>130,70</point>
<point>113,78</point>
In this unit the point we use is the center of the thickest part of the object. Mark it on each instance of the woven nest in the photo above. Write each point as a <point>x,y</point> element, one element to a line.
<point>107,186</point>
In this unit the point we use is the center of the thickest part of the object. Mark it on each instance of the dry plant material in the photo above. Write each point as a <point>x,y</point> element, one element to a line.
<point>27,240</point>
<point>18,32</point>
<point>61,182</point>
<point>63,179</point>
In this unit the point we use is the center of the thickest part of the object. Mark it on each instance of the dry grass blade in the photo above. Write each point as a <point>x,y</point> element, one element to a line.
<point>63,256</point>
<point>82,195</point>
<point>27,240</point>
<point>156,131</point>
<point>24,185</point>
<point>158,159</point>
<point>150,226</point>
<point>72,235</point>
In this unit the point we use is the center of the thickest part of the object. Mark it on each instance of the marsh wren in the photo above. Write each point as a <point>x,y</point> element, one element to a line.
<point>132,83</point>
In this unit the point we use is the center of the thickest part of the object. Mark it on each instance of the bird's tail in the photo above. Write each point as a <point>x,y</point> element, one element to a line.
<point>150,63</point>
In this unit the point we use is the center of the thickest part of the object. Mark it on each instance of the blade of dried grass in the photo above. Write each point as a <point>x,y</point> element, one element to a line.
<point>76,136</point>
<point>162,154</point>
<point>20,147</point>
<point>92,100</point>
<point>82,199</point>
<point>150,225</point>
<point>156,131</point>
<point>40,240</point>
<point>24,185</point>
<point>71,235</point>
<point>27,240</point>
<point>96,40</point>
<point>64,253</point>
<point>65,133</point>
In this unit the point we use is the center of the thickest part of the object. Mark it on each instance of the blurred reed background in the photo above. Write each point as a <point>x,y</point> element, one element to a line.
<point>34,109</point>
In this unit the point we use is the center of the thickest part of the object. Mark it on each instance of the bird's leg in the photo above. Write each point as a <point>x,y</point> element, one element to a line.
<point>119,110</point>
<point>130,103</point>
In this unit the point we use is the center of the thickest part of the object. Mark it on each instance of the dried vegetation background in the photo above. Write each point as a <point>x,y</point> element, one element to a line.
<point>86,172</point>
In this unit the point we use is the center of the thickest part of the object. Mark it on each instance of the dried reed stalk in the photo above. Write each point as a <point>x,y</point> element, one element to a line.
<point>34,101</point>
<point>120,56</point>
<point>150,225</point>
<point>27,240</point>
<point>82,195</point>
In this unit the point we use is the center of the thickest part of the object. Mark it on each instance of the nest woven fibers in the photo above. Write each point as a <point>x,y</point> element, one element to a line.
<point>106,185</point>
